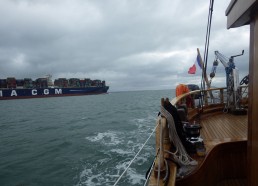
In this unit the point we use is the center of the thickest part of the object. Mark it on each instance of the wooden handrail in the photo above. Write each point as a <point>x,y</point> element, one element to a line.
<point>177,99</point>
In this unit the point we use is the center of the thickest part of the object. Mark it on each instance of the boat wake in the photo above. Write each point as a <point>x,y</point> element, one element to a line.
<point>106,138</point>
<point>117,149</point>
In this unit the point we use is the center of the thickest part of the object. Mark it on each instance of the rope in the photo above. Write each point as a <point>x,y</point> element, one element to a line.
<point>135,157</point>
<point>180,156</point>
<point>151,168</point>
<point>206,51</point>
<point>207,42</point>
<point>148,176</point>
<point>167,171</point>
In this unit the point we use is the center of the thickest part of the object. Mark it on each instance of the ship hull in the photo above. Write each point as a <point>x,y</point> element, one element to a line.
<point>22,93</point>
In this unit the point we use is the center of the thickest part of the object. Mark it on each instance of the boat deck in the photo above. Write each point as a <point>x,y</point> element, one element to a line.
<point>224,163</point>
<point>223,127</point>
<point>217,130</point>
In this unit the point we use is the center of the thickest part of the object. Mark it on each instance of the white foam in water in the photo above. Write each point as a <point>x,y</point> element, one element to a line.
<point>145,124</point>
<point>147,120</point>
<point>103,161</point>
<point>130,142</point>
<point>135,178</point>
<point>91,179</point>
<point>96,174</point>
<point>126,144</point>
<point>140,120</point>
<point>120,151</point>
<point>140,160</point>
<point>122,166</point>
<point>85,173</point>
<point>88,178</point>
<point>106,138</point>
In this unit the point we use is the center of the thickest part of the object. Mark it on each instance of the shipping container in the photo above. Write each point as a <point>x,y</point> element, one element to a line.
<point>20,83</point>
<point>88,82</point>
<point>11,82</point>
<point>28,83</point>
<point>74,82</point>
<point>41,83</point>
<point>61,82</point>
<point>82,83</point>
<point>103,83</point>
<point>96,83</point>
<point>3,83</point>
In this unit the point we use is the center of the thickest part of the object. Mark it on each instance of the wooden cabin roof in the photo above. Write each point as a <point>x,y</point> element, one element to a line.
<point>239,12</point>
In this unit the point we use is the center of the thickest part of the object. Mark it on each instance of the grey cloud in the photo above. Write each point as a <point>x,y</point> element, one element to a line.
<point>133,45</point>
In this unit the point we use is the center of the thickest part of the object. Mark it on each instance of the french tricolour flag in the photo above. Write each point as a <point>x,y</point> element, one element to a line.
<point>196,66</point>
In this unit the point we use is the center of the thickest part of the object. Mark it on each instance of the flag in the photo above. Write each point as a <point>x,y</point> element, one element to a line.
<point>197,65</point>
<point>192,69</point>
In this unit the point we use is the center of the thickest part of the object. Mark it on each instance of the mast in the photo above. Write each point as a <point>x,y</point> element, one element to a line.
<point>204,72</point>
<point>204,80</point>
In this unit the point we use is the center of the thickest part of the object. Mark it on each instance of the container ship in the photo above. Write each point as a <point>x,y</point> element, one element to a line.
<point>12,88</point>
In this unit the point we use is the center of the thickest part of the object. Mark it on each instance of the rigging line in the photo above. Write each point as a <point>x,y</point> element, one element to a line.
<point>147,179</point>
<point>208,35</point>
<point>206,51</point>
<point>135,156</point>
<point>152,166</point>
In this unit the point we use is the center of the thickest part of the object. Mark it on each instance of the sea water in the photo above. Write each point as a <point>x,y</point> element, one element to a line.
<point>78,141</point>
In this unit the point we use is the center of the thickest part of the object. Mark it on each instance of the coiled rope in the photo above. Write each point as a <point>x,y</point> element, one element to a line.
<point>135,156</point>
<point>180,156</point>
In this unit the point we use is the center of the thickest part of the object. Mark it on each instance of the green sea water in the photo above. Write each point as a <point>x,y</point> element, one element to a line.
<point>78,141</point>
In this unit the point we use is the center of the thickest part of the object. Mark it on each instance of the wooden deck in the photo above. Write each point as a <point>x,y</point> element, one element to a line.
<point>223,127</point>
<point>225,165</point>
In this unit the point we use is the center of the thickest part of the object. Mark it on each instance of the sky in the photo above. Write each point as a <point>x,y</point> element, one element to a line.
<point>131,44</point>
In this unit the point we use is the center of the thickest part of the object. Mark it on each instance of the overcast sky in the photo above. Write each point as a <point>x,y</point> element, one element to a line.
<point>132,44</point>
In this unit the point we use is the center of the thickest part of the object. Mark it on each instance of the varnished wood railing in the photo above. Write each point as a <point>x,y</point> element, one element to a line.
<point>219,98</point>
<point>209,104</point>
